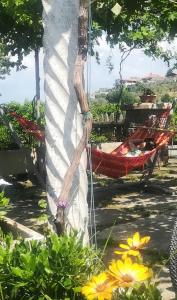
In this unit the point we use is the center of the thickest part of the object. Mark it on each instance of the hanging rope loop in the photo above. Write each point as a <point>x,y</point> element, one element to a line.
<point>87,115</point>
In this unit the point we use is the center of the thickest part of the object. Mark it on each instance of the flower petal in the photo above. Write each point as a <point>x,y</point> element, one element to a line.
<point>98,288</point>
<point>118,252</point>
<point>130,242</point>
<point>123,246</point>
<point>145,240</point>
<point>136,239</point>
<point>133,252</point>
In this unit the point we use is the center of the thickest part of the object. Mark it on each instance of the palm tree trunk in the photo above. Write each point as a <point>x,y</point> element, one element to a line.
<point>63,119</point>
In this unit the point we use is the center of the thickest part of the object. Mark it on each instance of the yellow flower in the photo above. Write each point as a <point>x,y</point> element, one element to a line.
<point>126,273</point>
<point>98,288</point>
<point>133,246</point>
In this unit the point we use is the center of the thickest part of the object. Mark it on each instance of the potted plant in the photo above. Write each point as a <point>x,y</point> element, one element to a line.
<point>148,96</point>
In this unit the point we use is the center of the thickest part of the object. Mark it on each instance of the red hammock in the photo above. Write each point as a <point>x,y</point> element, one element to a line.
<point>116,164</point>
<point>30,127</point>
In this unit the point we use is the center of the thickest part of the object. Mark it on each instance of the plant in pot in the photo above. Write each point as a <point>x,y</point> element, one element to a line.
<point>148,96</point>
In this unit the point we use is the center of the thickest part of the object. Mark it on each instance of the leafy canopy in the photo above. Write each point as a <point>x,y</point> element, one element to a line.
<point>141,23</point>
<point>20,27</point>
<point>5,63</point>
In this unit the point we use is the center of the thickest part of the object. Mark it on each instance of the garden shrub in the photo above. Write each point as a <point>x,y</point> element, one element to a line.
<point>98,109</point>
<point>96,138</point>
<point>4,204</point>
<point>54,269</point>
<point>25,110</point>
<point>5,137</point>
<point>123,97</point>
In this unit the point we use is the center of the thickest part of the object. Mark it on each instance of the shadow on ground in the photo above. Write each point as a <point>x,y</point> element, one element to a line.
<point>24,195</point>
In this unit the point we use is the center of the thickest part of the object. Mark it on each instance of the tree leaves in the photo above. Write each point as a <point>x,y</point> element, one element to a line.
<point>141,23</point>
<point>20,28</point>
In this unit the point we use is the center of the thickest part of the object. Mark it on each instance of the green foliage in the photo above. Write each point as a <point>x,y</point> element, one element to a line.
<point>4,204</point>
<point>20,27</point>
<point>148,92</point>
<point>96,138</point>
<point>170,73</point>
<point>174,117</point>
<point>160,88</point>
<point>5,63</point>
<point>141,24</point>
<point>5,138</point>
<point>166,98</point>
<point>144,292</point>
<point>122,97</point>
<point>97,109</point>
<point>42,204</point>
<point>100,98</point>
<point>43,218</point>
<point>53,269</point>
<point>25,110</point>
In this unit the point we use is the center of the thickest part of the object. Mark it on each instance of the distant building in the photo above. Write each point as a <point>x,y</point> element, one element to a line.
<point>131,81</point>
<point>101,91</point>
<point>152,78</point>
<point>146,79</point>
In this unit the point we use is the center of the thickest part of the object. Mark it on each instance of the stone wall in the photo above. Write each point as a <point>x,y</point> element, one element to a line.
<point>13,162</point>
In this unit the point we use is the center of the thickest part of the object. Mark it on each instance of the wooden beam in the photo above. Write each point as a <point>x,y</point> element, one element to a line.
<point>155,129</point>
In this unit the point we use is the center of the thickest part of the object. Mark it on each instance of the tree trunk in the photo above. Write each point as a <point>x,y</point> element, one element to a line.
<point>63,119</point>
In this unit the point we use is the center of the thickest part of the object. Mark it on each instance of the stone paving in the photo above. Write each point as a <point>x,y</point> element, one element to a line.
<point>149,213</point>
<point>128,209</point>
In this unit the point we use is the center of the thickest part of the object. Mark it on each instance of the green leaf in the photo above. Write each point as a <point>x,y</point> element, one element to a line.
<point>42,203</point>
<point>2,213</point>
<point>43,218</point>
<point>47,297</point>
<point>67,282</point>
<point>77,289</point>
<point>17,271</point>
<point>48,271</point>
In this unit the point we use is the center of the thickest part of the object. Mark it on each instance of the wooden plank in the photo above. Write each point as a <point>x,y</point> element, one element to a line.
<point>155,129</point>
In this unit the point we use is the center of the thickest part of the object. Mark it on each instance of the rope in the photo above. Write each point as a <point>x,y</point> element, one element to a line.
<point>86,116</point>
<point>92,216</point>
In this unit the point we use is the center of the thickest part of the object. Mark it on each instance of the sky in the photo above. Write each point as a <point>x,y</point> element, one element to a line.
<point>21,85</point>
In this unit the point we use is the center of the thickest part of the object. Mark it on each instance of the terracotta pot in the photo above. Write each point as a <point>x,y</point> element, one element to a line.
<point>148,98</point>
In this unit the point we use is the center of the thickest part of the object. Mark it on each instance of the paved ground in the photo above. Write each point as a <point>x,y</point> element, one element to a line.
<point>24,196</point>
<point>130,209</point>
<point>117,203</point>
